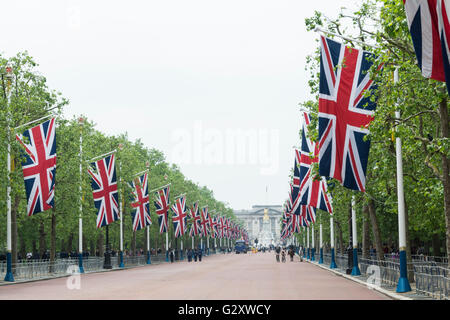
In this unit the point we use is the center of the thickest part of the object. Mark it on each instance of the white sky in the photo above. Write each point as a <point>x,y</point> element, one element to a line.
<point>181,75</point>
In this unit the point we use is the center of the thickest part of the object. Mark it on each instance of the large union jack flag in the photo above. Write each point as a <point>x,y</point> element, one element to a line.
<point>179,217</point>
<point>204,221</point>
<point>429,25</point>
<point>313,189</point>
<point>104,190</point>
<point>194,220</point>
<point>345,112</point>
<point>39,167</point>
<point>294,195</point>
<point>140,203</point>
<point>162,208</point>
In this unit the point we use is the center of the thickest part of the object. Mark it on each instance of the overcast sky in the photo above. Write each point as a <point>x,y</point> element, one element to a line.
<point>215,85</point>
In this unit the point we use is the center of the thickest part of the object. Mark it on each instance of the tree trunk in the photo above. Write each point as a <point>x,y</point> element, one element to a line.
<point>70,243</point>
<point>443,110</point>
<point>341,237</point>
<point>101,250</point>
<point>366,234</point>
<point>53,241</point>
<point>436,245</point>
<point>133,244</point>
<point>42,242</point>
<point>409,264</point>
<point>23,247</point>
<point>375,230</point>
<point>14,237</point>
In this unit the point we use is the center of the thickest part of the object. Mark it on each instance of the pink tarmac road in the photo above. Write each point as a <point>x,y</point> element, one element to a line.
<point>218,277</point>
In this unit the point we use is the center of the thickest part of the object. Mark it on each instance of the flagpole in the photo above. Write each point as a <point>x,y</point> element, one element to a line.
<point>333,261</point>
<point>307,243</point>
<point>121,265</point>
<point>147,165</point>
<point>148,245</point>
<point>313,248</point>
<point>9,275</point>
<point>320,244</point>
<point>355,270</point>
<point>80,219</point>
<point>167,243</point>
<point>403,283</point>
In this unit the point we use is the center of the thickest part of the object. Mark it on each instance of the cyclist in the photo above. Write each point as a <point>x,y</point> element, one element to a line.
<point>283,255</point>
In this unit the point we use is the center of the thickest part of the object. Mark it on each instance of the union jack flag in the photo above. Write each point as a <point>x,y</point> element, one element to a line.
<point>213,226</point>
<point>104,190</point>
<point>195,218</point>
<point>204,221</point>
<point>313,190</point>
<point>141,207</point>
<point>294,196</point>
<point>429,26</point>
<point>345,112</point>
<point>221,226</point>
<point>162,208</point>
<point>179,216</point>
<point>229,230</point>
<point>39,168</point>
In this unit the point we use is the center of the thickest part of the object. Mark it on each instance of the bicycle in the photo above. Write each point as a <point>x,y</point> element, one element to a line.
<point>278,257</point>
<point>283,258</point>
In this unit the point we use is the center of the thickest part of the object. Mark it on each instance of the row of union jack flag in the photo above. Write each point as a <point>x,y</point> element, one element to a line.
<point>39,169</point>
<point>341,150</point>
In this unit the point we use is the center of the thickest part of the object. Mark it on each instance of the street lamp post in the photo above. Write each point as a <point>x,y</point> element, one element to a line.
<point>403,283</point>
<point>80,219</point>
<point>147,165</point>
<point>9,275</point>
<point>121,265</point>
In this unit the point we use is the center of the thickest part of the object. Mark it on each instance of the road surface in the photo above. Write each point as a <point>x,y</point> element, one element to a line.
<point>218,277</point>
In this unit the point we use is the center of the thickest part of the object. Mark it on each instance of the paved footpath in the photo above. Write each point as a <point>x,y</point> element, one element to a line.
<point>217,277</point>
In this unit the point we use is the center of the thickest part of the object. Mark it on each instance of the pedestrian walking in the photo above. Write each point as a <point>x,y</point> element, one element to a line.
<point>283,255</point>
<point>189,255</point>
<point>199,255</point>
<point>195,255</point>
<point>291,254</point>
<point>171,255</point>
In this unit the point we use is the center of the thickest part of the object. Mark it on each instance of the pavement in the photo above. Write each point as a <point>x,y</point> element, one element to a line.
<point>218,277</point>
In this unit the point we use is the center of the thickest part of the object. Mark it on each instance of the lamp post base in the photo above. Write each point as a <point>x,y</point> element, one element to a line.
<point>121,259</point>
<point>9,275</point>
<point>80,262</point>
<point>355,270</point>
<point>149,261</point>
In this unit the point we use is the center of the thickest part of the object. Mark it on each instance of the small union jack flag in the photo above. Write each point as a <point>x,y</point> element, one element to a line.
<point>204,221</point>
<point>345,112</point>
<point>40,166</point>
<point>140,204</point>
<point>220,226</point>
<point>162,208</point>
<point>313,190</point>
<point>195,219</point>
<point>179,217</point>
<point>104,190</point>
<point>213,226</point>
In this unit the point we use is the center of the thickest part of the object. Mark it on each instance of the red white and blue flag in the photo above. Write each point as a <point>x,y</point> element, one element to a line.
<point>429,25</point>
<point>213,226</point>
<point>162,208</point>
<point>104,190</point>
<point>140,203</point>
<point>345,112</point>
<point>195,220</point>
<point>179,217</point>
<point>294,196</point>
<point>204,221</point>
<point>39,167</point>
<point>221,226</point>
<point>313,189</point>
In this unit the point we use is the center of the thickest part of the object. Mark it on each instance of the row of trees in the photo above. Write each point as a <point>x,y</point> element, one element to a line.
<point>57,230</point>
<point>423,129</point>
